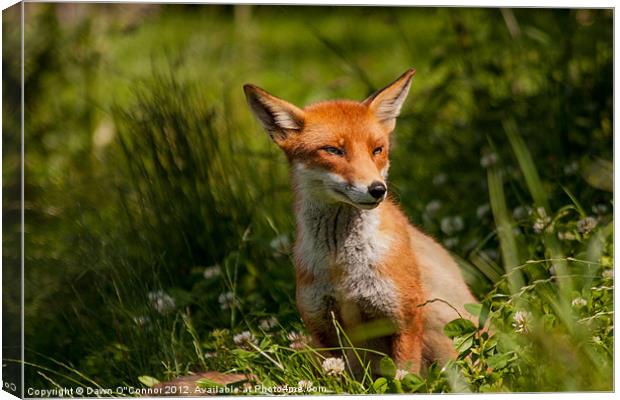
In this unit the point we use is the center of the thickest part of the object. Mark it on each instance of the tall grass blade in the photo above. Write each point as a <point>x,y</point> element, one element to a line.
<point>504,224</point>
<point>539,195</point>
<point>575,202</point>
<point>526,163</point>
<point>195,339</point>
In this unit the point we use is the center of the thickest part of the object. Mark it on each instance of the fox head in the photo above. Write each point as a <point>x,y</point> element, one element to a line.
<point>338,150</point>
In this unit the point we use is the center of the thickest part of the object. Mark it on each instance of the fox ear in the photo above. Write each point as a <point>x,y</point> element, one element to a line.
<point>387,102</point>
<point>277,116</point>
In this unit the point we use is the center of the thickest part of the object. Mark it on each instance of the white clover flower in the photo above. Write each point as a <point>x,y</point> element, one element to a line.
<point>539,225</point>
<point>433,206</point>
<point>226,300</point>
<point>542,221</point>
<point>488,160</point>
<point>162,302</point>
<point>579,302</point>
<point>212,271</point>
<point>281,244</point>
<point>482,210</point>
<point>566,235</point>
<point>600,209</point>
<point>571,168</point>
<point>401,373</point>
<point>209,354</point>
<point>440,179</point>
<point>268,323</point>
<point>298,340</point>
<point>608,274</point>
<point>522,321</point>
<point>244,339</point>
<point>333,366</point>
<point>305,385</point>
<point>450,225</point>
<point>457,223</point>
<point>552,270</point>
<point>586,225</point>
<point>521,212</point>
<point>451,242</point>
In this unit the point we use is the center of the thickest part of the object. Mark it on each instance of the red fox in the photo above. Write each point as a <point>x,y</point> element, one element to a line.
<point>357,257</point>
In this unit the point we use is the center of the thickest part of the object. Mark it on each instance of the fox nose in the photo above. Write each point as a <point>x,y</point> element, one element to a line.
<point>377,189</point>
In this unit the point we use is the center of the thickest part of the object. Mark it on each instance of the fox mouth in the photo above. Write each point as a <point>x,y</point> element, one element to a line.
<point>366,205</point>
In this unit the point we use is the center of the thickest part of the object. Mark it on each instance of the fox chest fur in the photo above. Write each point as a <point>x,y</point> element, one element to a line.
<point>338,251</point>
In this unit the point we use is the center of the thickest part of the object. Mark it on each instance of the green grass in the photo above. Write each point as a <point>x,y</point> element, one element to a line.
<point>159,215</point>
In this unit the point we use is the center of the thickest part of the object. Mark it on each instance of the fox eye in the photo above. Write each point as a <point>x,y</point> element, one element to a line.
<point>333,150</point>
<point>377,151</point>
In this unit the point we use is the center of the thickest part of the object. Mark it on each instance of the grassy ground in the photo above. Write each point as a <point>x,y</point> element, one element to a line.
<point>159,225</point>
